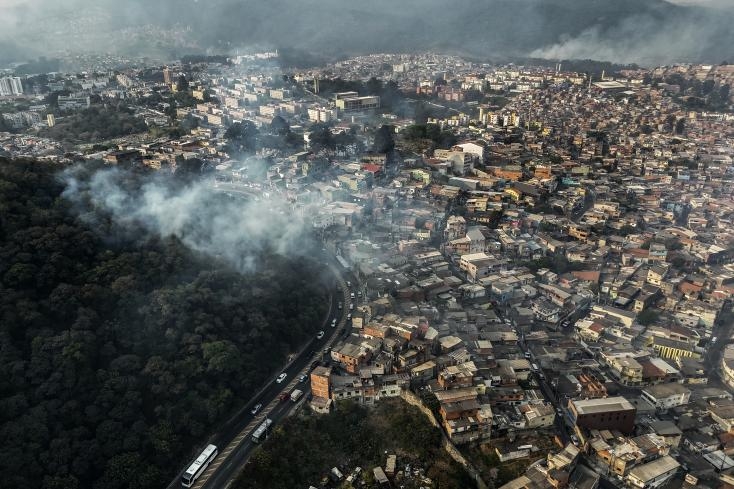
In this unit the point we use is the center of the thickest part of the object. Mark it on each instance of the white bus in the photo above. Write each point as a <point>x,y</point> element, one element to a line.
<point>262,431</point>
<point>199,466</point>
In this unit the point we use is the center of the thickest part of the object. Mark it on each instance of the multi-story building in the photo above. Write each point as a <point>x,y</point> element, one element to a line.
<point>73,102</point>
<point>320,114</point>
<point>669,348</point>
<point>463,418</point>
<point>167,78</point>
<point>321,389</point>
<point>357,103</point>
<point>367,389</point>
<point>457,376</point>
<point>11,85</point>
<point>611,413</point>
<point>538,415</point>
<point>352,355</point>
<point>727,365</point>
<point>455,228</point>
<point>666,396</point>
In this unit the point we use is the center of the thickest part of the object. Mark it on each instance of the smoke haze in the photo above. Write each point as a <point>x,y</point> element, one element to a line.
<point>204,220</point>
<point>643,31</point>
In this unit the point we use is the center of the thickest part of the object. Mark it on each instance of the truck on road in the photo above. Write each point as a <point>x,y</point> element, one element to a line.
<point>296,395</point>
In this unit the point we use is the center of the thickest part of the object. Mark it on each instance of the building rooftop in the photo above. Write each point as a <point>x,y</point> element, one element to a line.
<point>656,468</point>
<point>590,406</point>
<point>659,391</point>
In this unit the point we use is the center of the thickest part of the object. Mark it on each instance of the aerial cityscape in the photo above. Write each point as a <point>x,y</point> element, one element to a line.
<point>325,244</point>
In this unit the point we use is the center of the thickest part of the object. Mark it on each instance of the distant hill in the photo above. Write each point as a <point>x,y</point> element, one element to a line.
<point>641,31</point>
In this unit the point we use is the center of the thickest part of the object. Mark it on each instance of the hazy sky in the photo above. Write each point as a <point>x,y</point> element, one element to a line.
<point>641,31</point>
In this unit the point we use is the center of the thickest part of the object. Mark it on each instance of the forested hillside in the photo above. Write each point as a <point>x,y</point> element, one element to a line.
<point>118,353</point>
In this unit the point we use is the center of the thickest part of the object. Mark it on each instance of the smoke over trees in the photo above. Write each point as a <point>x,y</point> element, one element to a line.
<point>125,339</point>
<point>624,31</point>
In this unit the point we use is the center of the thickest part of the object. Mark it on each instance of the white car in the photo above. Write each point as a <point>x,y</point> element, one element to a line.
<point>333,323</point>
<point>319,335</point>
<point>256,408</point>
<point>302,378</point>
<point>281,377</point>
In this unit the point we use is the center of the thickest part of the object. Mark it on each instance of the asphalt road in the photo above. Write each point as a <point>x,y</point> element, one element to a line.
<point>231,463</point>
<point>233,437</point>
<point>549,395</point>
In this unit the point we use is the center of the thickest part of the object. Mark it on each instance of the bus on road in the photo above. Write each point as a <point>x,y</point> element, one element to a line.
<point>262,431</point>
<point>199,466</point>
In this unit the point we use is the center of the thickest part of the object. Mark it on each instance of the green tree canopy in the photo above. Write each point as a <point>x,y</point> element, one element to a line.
<point>121,351</point>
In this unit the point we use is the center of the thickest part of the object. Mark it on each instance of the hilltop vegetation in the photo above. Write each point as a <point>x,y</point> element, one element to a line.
<point>352,436</point>
<point>118,351</point>
<point>95,124</point>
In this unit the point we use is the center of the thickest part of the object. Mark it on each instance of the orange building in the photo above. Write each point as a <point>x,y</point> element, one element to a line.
<point>320,386</point>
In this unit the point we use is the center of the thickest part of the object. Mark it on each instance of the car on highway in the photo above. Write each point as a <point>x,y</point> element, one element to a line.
<point>349,316</point>
<point>281,377</point>
<point>333,323</point>
<point>559,411</point>
<point>256,408</point>
<point>349,284</point>
<point>351,307</point>
<point>319,335</point>
<point>575,440</point>
<point>284,396</point>
<point>340,305</point>
<point>527,354</point>
<point>302,378</point>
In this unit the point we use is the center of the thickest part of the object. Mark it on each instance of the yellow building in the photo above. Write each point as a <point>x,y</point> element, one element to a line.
<point>421,176</point>
<point>513,193</point>
<point>667,348</point>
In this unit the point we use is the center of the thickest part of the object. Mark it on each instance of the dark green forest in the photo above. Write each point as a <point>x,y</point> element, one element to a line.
<point>119,353</point>
<point>304,449</point>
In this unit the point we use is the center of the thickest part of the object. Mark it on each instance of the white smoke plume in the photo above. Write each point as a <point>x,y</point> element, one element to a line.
<point>646,31</point>
<point>206,221</point>
<point>648,41</point>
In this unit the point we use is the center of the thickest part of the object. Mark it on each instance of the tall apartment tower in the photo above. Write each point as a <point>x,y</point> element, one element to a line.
<point>167,75</point>
<point>11,85</point>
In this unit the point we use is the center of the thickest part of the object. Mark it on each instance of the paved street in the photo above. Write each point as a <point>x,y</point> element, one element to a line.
<point>233,438</point>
